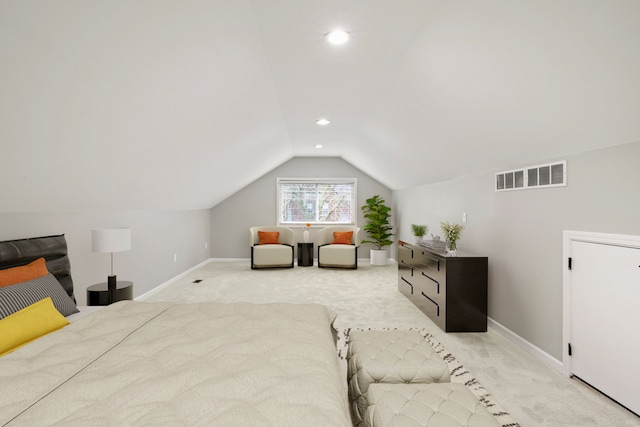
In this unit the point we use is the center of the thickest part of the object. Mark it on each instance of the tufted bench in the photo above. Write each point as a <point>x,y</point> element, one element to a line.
<point>395,357</point>
<point>425,405</point>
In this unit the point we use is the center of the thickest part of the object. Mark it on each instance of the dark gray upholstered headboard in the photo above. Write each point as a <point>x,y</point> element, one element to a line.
<point>53,249</point>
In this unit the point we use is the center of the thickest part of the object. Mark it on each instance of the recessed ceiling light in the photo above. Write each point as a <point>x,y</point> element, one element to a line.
<point>317,146</point>
<point>323,122</point>
<point>337,37</point>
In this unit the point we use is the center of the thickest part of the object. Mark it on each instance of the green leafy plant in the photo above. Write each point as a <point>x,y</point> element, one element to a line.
<point>377,214</point>
<point>419,230</point>
<point>452,233</point>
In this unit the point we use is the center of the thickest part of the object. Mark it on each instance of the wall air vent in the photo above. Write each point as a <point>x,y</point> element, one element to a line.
<point>540,176</point>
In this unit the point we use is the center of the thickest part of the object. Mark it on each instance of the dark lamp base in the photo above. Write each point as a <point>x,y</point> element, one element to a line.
<point>112,283</point>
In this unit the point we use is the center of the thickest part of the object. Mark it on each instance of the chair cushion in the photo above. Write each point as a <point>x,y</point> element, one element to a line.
<point>337,255</point>
<point>272,255</point>
<point>389,357</point>
<point>425,405</point>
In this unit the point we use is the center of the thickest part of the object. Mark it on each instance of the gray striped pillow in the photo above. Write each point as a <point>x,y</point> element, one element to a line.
<point>16,297</point>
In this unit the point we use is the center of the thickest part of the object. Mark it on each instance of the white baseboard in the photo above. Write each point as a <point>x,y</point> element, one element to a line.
<point>537,352</point>
<point>170,281</point>
<point>389,260</point>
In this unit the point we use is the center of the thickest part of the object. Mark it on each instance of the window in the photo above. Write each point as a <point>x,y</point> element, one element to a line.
<point>316,201</point>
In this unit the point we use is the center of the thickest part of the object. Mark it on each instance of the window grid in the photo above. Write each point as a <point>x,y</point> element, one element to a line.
<point>316,201</point>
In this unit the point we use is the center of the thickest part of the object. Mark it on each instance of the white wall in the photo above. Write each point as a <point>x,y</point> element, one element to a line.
<point>256,203</point>
<point>156,237</point>
<point>521,231</point>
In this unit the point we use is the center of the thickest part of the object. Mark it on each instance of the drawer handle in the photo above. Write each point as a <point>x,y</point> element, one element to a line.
<point>403,279</point>
<point>433,280</point>
<point>407,248</point>
<point>427,256</point>
<point>409,266</point>
<point>435,260</point>
<point>436,304</point>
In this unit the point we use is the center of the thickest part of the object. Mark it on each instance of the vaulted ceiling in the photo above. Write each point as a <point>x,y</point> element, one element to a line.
<point>165,104</point>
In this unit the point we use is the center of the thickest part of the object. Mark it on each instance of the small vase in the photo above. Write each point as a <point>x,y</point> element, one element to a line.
<point>417,239</point>
<point>452,248</point>
<point>305,236</point>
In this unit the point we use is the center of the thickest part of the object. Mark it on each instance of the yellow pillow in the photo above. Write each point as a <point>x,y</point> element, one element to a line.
<point>30,323</point>
<point>23,273</point>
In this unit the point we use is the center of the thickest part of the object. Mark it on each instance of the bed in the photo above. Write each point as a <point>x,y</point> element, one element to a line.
<point>136,363</point>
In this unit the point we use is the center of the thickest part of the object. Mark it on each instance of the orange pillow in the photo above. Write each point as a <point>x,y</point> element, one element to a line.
<point>24,273</point>
<point>269,237</point>
<point>342,237</point>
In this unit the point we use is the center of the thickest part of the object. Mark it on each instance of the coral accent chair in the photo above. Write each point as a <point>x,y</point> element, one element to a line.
<point>340,255</point>
<point>272,255</point>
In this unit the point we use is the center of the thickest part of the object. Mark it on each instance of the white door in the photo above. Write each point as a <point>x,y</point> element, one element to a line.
<point>605,319</point>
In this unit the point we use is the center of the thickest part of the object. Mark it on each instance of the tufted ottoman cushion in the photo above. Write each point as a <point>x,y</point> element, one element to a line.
<point>425,405</point>
<point>389,357</point>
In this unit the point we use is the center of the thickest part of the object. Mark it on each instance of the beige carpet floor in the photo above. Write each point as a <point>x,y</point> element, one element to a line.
<point>532,393</point>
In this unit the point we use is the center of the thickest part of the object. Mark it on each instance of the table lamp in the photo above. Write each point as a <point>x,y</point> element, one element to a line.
<point>111,240</point>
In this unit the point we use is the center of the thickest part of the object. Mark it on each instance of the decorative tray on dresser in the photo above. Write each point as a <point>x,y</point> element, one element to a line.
<point>450,290</point>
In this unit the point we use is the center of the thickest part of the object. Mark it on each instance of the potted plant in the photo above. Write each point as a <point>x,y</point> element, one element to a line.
<point>377,214</point>
<point>452,234</point>
<point>419,231</point>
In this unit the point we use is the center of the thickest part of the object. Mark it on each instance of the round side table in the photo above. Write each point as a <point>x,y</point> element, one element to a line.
<point>99,294</point>
<point>305,254</point>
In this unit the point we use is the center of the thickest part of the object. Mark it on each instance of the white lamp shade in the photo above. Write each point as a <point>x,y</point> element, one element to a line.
<point>111,239</point>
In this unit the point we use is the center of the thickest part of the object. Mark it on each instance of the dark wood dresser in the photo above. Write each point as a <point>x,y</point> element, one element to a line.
<point>450,290</point>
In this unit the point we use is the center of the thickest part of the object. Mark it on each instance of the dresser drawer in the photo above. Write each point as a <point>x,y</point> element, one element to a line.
<point>433,287</point>
<point>405,253</point>
<point>431,308</point>
<point>406,257</point>
<point>405,279</point>
<point>406,287</point>
<point>430,263</point>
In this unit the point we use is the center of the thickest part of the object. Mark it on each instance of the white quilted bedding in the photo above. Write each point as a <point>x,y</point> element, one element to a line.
<point>212,364</point>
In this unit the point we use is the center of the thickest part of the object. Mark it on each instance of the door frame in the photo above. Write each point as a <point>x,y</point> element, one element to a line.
<point>568,237</point>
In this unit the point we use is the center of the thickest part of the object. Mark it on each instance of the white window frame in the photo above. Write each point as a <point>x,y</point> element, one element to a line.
<point>283,181</point>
